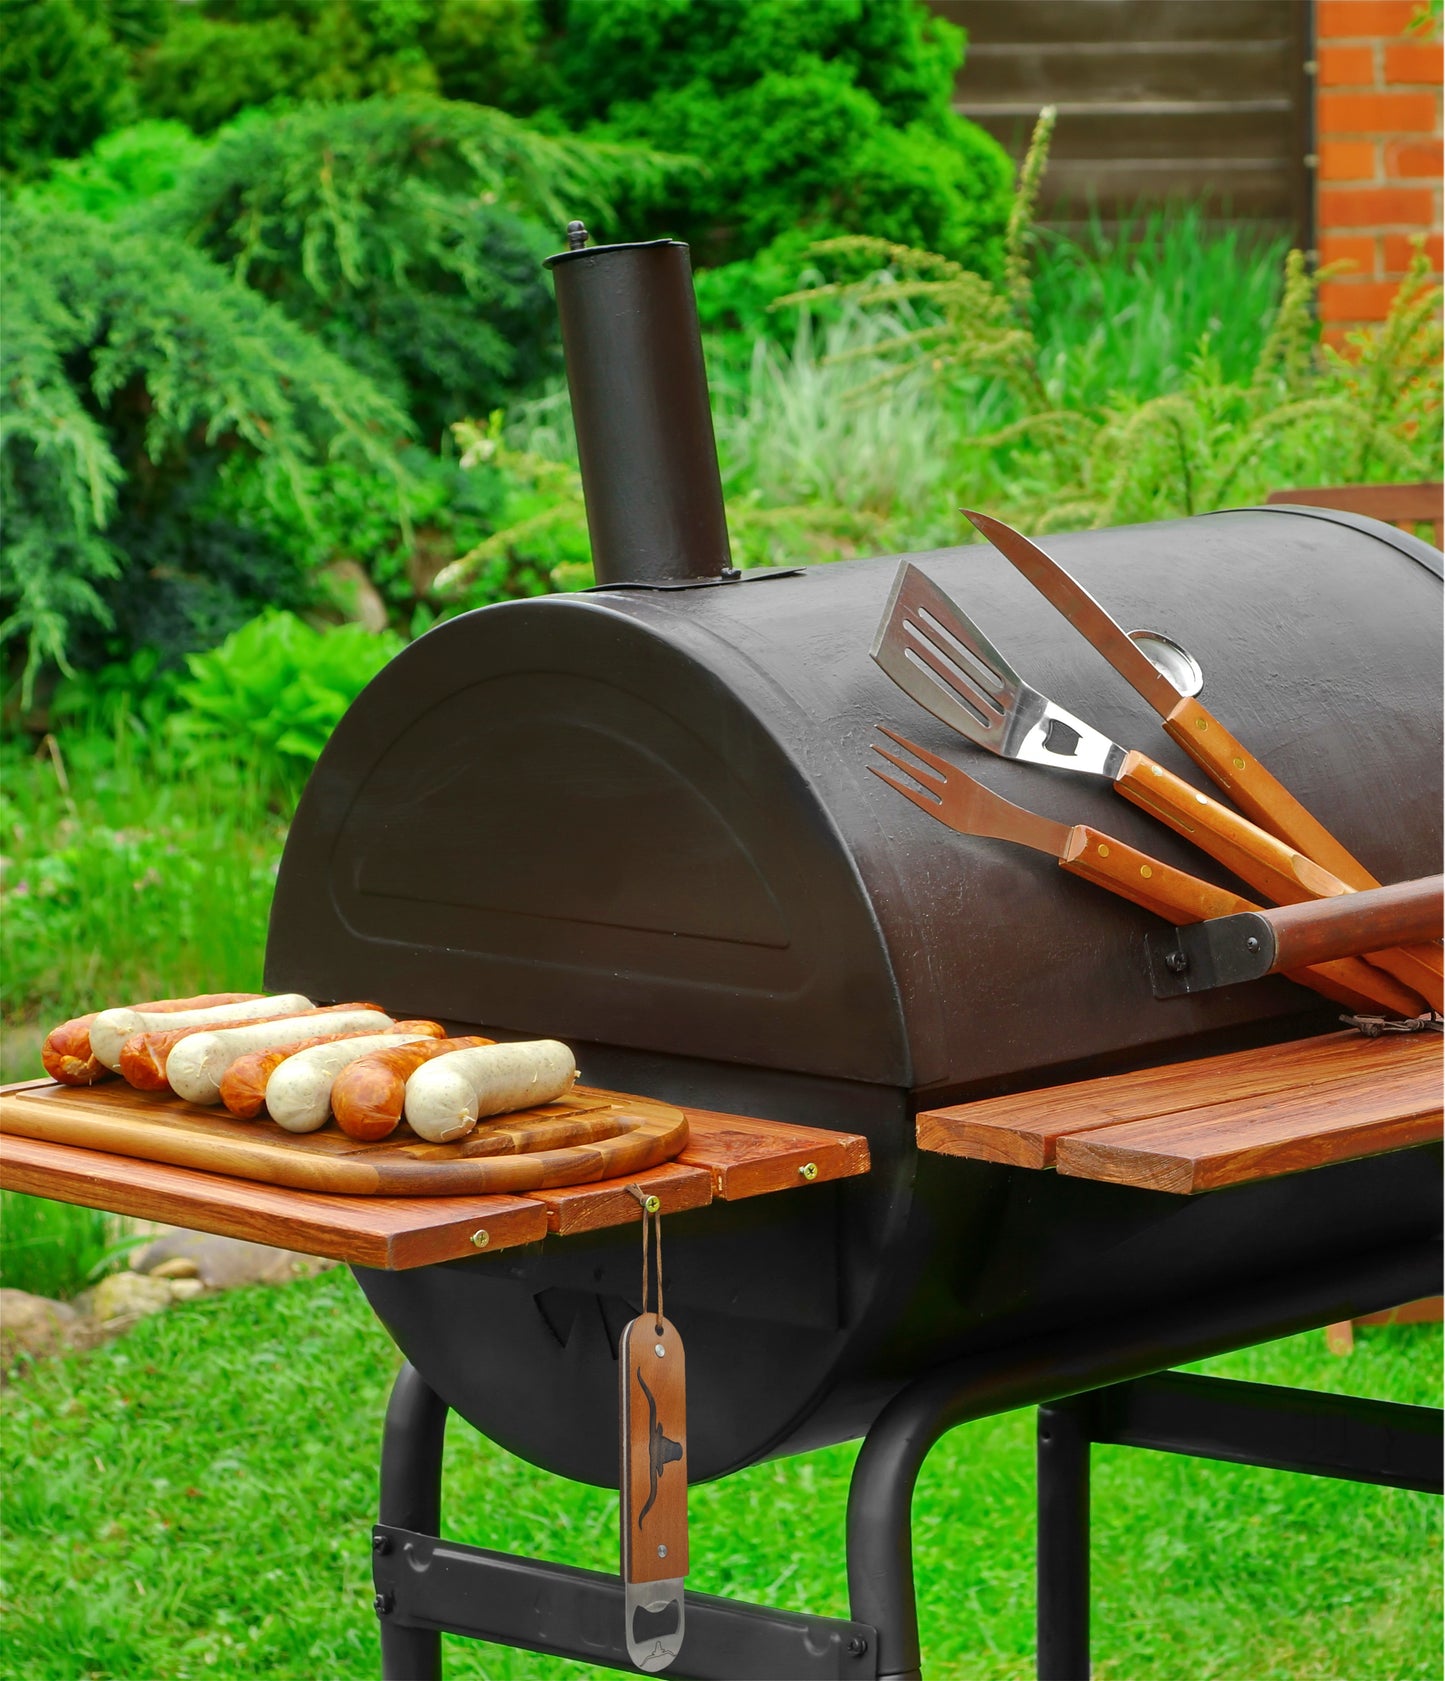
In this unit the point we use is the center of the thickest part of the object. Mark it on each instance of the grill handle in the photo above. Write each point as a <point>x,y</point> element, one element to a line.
<point>639,392</point>
<point>1230,949</point>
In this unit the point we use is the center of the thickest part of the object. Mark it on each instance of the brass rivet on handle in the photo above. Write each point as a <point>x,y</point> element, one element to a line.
<point>1237,762</point>
<point>1201,723</point>
<point>1103,851</point>
<point>1145,871</point>
<point>481,1238</point>
<point>809,1170</point>
<point>653,1204</point>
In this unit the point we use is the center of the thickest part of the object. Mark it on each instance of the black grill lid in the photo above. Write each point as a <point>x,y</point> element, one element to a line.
<point>643,818</point>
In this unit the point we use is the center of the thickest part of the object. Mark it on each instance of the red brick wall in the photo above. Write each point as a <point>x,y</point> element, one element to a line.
<point>1378,141</point>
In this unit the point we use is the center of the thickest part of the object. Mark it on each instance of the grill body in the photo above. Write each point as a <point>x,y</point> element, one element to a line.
<point>641,820</point>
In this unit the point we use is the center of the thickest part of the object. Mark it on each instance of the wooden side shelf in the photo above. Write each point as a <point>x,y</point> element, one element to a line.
<point>1226,1120</point>
<point>727,1157</point>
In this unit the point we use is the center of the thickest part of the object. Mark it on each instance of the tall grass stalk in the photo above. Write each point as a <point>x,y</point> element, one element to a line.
<point>54,1248</point>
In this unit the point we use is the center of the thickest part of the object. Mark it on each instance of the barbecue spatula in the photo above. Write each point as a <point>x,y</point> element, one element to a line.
<point>939,657</point>
<point>1189,723</point>
<point>953,797</point>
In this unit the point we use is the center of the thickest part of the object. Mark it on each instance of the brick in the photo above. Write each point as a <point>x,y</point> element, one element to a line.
<point>1398,252</point>
<point>1356,300</point>
<point>1377,113</point>
<point>1412,160</point>
<point>1351,66</point>
<point>1345,18</point>
<point>1347,160</point>
<point>1413,61</point>
<point>1359,249</point>
<point>1373,207</point>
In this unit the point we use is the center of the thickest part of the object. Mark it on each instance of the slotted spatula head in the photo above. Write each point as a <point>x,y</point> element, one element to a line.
<point>941,659</point>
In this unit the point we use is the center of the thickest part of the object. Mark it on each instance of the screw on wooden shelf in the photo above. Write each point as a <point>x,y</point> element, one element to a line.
<point>1177,963</point>
<point>809,1170</point>
<point>1251,944</point>
<point>653,1204</point>
<point>481,1238</point>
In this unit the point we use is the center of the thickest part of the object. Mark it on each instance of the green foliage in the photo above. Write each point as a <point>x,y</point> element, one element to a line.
<point>832,117</point>
<point>221,56</point>
<point>1301,414</point>
<point>133,368</point>
<point>65,75</point>
<point>405,233</point>
<point>52,1249</point>
<point>148,1459</point>
<point>272,693</point>
<point>121,171</point>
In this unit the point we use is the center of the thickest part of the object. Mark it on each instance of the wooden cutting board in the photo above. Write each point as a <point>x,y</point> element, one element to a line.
<point>585,1136</point>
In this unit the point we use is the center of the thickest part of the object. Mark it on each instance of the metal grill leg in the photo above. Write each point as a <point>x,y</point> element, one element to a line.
<point>411,1498</point>
<point>1063,1541</point>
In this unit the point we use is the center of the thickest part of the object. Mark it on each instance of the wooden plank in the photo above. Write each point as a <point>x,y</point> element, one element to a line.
<point>747,1157</point>
<point>589,1208</point>
<point>1231,1144</point>
<point>1023,1129</point>
<point>390,1233</point>
<point>1084,21</point>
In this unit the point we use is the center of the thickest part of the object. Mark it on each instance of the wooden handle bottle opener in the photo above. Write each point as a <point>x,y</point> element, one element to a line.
<point>652,1379</point>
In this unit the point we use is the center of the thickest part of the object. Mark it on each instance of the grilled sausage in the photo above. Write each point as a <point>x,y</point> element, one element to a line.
<point>111,1028</point>
<point>66,1053</point>
<point>144,1059</point>
<point>298,1094</point>
<point>446,1097</point>
<point>367,1097</point>
<point>243,1086</point>
<point>197,1065</point>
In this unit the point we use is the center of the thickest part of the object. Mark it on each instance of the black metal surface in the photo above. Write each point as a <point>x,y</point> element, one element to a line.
<point>571,1613</point>
<point>1405,541</point>
<point>1225,951</point>
<point>1062,1548</point>
<point>1343,1436</point>
<point>880,1498</point>
<point>644,819</point>
<point>411,1494</point>
<point>640,402</point>
<point>1348,1437</point>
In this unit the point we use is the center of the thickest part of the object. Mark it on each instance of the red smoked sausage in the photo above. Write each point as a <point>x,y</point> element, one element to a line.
<point>367,1097</point>
<point>66,1054</point>
<point>243,1086</point>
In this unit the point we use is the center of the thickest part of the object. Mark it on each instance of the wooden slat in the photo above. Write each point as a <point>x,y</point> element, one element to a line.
<point>1023,1129</point>
<point>1231,1144</point>
<point>747,1157</point>
<point>1181,84</point>
<point>589,1208</point>
<point>391,1233</point>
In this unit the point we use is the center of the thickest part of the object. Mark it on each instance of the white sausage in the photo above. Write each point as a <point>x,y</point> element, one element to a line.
<point>111,1028</point>
<point>298,1094</point>
<point>446,1096</point>
<point>196,1067</point>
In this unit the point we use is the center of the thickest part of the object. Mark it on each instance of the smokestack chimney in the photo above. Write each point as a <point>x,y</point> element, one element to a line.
<point>639,393</point>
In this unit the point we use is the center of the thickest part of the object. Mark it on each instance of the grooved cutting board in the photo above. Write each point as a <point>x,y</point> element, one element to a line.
<point>585,1136</point>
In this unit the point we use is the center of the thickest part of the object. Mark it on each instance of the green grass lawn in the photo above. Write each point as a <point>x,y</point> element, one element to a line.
<point>195,1501</point>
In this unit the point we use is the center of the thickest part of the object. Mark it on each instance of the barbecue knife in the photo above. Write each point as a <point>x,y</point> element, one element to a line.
<point>1189,723</point>
<point>940,658</point>
<point>950,794</point>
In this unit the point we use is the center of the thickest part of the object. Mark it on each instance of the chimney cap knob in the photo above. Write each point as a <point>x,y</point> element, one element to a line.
<point>576,236</point>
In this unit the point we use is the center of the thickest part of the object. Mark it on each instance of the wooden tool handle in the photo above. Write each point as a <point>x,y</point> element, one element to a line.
<point>1144,881</point>
<point>1274,808</point>
<point>1270,866</point>
<point>1182,898</point>
<point>1256,792</point>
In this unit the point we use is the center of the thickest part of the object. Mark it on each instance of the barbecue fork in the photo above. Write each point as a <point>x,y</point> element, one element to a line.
<point>951,795</point>
<point>1193,727</point>
<point>942,660</point>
